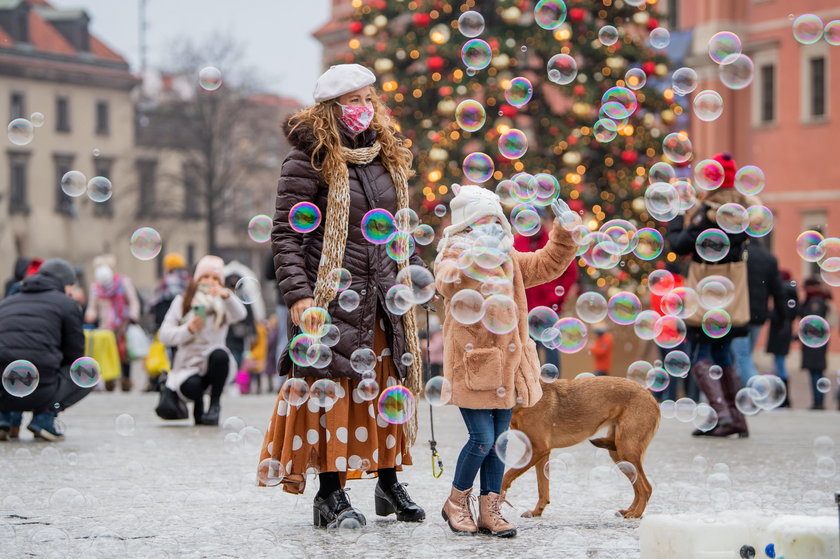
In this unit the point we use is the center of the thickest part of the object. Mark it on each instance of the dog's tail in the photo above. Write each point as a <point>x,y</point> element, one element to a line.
<point>604,442</point>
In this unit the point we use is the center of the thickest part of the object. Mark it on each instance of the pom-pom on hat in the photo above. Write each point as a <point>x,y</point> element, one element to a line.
<point>341,79</point>
<point>729,169</point>
<point>210,266</point>
<point>471,203</point>
<point>173,261</point>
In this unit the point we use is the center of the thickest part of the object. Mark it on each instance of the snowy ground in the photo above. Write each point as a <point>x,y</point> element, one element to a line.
<point>173,490</point>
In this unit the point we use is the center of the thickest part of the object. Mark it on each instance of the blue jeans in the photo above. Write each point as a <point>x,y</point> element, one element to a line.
<point>479,453</point>
<point>781,371</point>
<point>742,350</point>
<point>816,396</point>
<point>717,351</point>
<point>689,383</point>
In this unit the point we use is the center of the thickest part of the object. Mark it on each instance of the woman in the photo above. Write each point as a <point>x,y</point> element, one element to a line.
<point>817,302</point>
<point>197,324</point>
<point>708,352</point>
<point>781,329</point>
<point>346,159</point>
<point>113,304</point>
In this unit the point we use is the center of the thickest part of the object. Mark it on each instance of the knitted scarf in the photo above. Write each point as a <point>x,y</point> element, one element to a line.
<point>335,241</point>
<point>115,293</point>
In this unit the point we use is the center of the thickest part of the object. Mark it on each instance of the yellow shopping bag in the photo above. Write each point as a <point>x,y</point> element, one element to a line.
<point>101,344</point>
<point>157,361</point>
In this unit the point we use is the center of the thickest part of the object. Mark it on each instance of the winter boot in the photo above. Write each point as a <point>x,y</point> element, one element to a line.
<point>490,519</point>
<point>198,410</point>
<point>713,390</point>
<point>110,385</point>
<point>43,427</point>
<point>786,403</point>
<point>335,511</point>
<point>211,416</point>
<point>395,499</point>
<point>458,514</point>
<point>731,385</point>
<point>126,384</point>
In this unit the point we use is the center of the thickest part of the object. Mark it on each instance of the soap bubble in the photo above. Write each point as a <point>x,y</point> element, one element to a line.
<point>124,425</point>
<point>295,391</point>
<point>396,405</point>
<point>657,379</point>
<point>723,45</point>
<point>514,448</point>
<point>831,34</point>
<point>708,174</point>
<point>738,72</point>
<point>749,180</point>
<point>549,373</point>
<point>210,78</point>
<point>424,235</point>
<point>500,314</point>
<point>660,282</point>
<point>541,320</point>
<point>681,302</point>
<point>74,184</point>
<point>304,217</point>
<point>744,401</point>
<point>769,391</point>
<point>349,300</point>
<point>808,246</point>
<point>666,407</point>
<point>706,418</point>
<point>571,336</point>
<point>645,325</point>
<point>649,244</point>
<point>619,103</point>
<point>466,306</point>
<point>526,220</point>
<point>299,350</point>
<point>826,467</point>
<point>367,390</point>
<point>715,372</point>
<point>513,144</point>
<point>623,307</point>
<point>677,147</point>
<point>476,54</point>
<point>814,331</point>
<point>259,228</point>
<point>470,115</point>
<point>519,92</point>
<point>438,391</point>
<point>247,289</point>
<point>85,372</point>
<point>684,81</point>
<point>635,78</point>
<point>400,247</point>
<point>672,332</point>
<point>547,188</point>
<point>761,221</point>
<point>324,392</point>
<point>398,299</point>
<point>661,171</point>
<point>478,167</point>
<point>145,243</point>
<point>660,38</point>
<point>608,35</point>
<point>823,447</point>
<point>715,292</point>
<point>378,226</point>
<point>37,119</point>
<point>807,29</point>
<point>20,378</point>
<point>712,245</point>
<point>471,24</point>
<point>662,201</point>
<point>20,132</point>
<point>605,130</point>
<point>363,359</point>
<point>591,307</point>
<point>637,372</point>
<point>440,210</point>
<point>270,472</point>
<point>708,105</point>
<point>339,279</point>
<point>732,218</point>
<point>716,323</point>
<point>685,410</point>
<point>99,189</point>
<point>421,282</point>
<point>550,14</point>
<point>677,363</point>
<point>562,69</point>
<point>314,320</point>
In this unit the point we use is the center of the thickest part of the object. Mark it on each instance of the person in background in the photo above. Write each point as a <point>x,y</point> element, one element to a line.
<point>602,350</point>
<point>435,347</point>
<point>255,360</point>
<point>764,283</point>
<point>113,304</point>
<point>552,294</point>
<point>817,302</point>
<point>173,283</point>
<point>42,324</point>
<point>197,323</point>
<point>781,329</point>
<point>239,334</point>
<point>270,369</point>
<point>283,317</point>
<point>19,272</point>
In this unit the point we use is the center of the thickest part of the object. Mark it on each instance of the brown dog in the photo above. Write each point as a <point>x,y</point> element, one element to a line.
<point>573,410</point>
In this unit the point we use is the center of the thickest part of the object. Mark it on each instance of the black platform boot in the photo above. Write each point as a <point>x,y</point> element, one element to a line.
<point>395,499</point>
<point>334,510</point>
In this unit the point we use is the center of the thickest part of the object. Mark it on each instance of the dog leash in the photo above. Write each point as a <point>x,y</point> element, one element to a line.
<point>437,462</point>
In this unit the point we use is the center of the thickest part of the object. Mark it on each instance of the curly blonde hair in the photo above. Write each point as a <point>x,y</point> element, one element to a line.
<point>327,158</point>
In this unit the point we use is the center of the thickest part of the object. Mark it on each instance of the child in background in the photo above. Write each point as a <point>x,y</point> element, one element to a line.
<point>601,349</point>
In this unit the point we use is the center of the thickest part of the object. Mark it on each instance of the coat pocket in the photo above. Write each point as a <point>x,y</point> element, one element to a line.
<point>483,369</point>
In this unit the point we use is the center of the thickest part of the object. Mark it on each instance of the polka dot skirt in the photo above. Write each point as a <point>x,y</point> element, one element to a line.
<point>349,436</point>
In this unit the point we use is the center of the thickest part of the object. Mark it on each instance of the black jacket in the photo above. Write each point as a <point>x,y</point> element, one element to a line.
<point>781,321</point>
<point>42,325</point>
<point>814,358</point>
<point>764,282</point>
<point>21,265</point>
<point>297,255</point>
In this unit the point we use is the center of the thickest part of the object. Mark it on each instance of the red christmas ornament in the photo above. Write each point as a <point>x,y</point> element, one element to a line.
<point>578,90</point>
<point>380,47</point>
<point>377,4</point>
<point>575,205</point>
<point>434,63</point>
<point>429,205</point>
<point>652,24</point>
<point>629,157</point>
<point>356,27</point>
<point>445,90</point>
<point>553,130</point>
<point>648,68</point>
<point>576,15</point>
<point>508,111</point>
<point>421,19</point>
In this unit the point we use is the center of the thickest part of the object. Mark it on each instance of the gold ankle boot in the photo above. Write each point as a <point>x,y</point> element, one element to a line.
<point>490,519</point>
<point>456,511</point>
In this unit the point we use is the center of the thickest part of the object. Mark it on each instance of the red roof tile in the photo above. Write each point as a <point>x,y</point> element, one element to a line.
<point>101,50</point>
<point>45,37</point>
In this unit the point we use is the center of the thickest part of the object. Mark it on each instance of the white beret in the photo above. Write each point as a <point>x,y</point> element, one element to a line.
<point>341,79</point>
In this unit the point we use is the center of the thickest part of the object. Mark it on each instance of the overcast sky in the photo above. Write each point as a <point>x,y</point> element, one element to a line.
<point>275,33</point>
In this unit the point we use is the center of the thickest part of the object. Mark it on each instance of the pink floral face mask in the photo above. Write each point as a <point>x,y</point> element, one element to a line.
<point>356,119</point>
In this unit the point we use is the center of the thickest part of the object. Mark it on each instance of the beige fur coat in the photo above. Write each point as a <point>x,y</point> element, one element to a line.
<point>500,370</point>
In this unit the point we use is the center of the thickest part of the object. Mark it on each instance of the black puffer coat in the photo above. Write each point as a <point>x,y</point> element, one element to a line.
<point>781,322</point>
<point>42,325</point>
<point>297,255</point>
<point>814,358</point>
<point>764,282</point>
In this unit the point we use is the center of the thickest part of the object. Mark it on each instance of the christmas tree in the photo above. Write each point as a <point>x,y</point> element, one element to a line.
<point>415,46</point>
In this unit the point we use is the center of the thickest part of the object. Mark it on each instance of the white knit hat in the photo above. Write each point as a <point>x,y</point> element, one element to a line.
<point>341,79</point>
<point>471,203</point>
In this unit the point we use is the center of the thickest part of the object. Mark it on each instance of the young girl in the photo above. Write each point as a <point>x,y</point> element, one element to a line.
<point>197,323</point>
<point>491,363</point>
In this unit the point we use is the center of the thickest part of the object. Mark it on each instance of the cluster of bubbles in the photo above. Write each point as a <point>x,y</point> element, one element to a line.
<point>809,29</point>
<point>75,184</point>
<point>813,247</point>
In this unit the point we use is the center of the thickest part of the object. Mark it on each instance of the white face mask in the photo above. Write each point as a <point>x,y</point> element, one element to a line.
<point>103,275</point>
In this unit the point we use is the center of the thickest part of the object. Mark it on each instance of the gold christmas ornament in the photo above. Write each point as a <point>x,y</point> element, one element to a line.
<point>439,34</point>
<point>511,15</point>
<point>501,61</point>
<point>641,18</point>
<point>661,70</point>
<point>446,106</point>
<point>438,154</point>
<point>616,62</point>
<point>380,21</point>
<point>571,158</point>
<point>638,205</point>
<point>370,30</point>
<point>668,116</point>
<point>383,65</point>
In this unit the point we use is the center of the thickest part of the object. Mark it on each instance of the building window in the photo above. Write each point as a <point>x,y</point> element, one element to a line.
<point>192,191</point>
<point>103,125</point>
<point>768,93</point>
<point>817,82</point>
<point>17,106</point>
<point>18,202</point>
<point>146,177</point>
<point>673,14</point>
<point>815,221</point>
<point>103,166</point>
<point>62,111</point>
<point>63,202</point>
